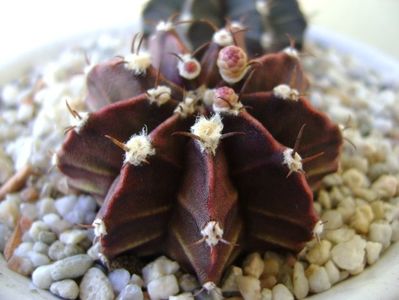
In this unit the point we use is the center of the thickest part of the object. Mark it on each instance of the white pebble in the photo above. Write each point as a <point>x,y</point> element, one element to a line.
<point>281,292</point>
<point>119,278</point>
<point>137,280</point>
<point>353,178</point>
<point>381,233</point>
<point>340,235</point>
<point>131,292</point>
<point>71,267</point>
<point>299,281</point>
<point>253,265</point>
<point>9,211</point>
<point>373,251</point>
<point>349,255</point>
<point>40,247</point>
<point>38,259</point>
<point>385,186</point>
<point>95,286</point>
<point>67,289</point>
<point>29,210</point>
<point>188,283</point>
<point>395,231</point>
<point>163,287</point>
<point>55,223</point>
<point>41,277</point>
<point>73,236</point>
<point>160,267</point>
<point>65,204</point>
<point>266,294</point>
<point>332,219</point>
<point>23,249</point>
<point>318,279</point>
<point>332,272</point>
<point>45,206</point>
<point>185,296</point>
<point>249,287</point>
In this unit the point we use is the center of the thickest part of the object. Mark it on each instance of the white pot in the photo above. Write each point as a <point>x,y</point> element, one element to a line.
<point>378,282</point>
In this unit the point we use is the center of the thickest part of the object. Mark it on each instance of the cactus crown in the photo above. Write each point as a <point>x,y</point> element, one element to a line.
<point>200,155</point>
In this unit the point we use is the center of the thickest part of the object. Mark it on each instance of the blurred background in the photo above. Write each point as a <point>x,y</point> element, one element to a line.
<point>28,24</point>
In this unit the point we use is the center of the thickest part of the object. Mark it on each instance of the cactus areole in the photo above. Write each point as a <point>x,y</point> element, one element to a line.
<point>200,155</point>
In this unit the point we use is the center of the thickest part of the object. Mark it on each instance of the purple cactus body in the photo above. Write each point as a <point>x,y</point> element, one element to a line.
<point>200,166</point>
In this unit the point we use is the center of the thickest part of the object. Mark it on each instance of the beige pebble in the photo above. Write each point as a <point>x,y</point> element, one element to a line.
<point>272,263</point>
<point>230,282</point>
<point>319,253</point>
<point>300,282</point>
<point>349,255</point>
<point>373,251</point>
<point>318,279</point>
<point>332,272</point>
<point>268,281</point>
<point>346,208</point>
<point>355,161</point>
<point>9,211</point>
<point>353,178</point>
<point>385,186</point>
<point>365,193</point>
<point>266,294</point>
<point>332,180</point>
<point>249,287</point>
<point>395,231</point>
<point>253,265</point>
<point>362,218</point>
<point>336,195</point>
<point>324,199</point>
<point>317,207</point>
<point>340,235</point>
<point>332,219</point>
<point>281,292</point>
<point>378,208</point>
<point>391,212</point>
<point>380,232</point>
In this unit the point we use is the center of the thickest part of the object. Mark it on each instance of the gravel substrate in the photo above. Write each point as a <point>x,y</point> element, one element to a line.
<point>41,232</point>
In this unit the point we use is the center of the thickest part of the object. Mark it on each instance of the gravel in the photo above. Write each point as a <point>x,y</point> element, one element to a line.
<point>359,203</point>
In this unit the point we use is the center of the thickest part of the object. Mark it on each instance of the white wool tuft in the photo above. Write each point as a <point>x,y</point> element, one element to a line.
<point>79,122</point>
<point>223,37</point>
<point>187,107</point>
<point>233,79</point>
<point>285,92</point>
<point>159,95</point>
<point>164,26</point>
<point>139,147</point>
<point>212,232</point>
<point>99,227</point>
<point>209,131</point>
<point>209,286</point>
<point>187,58</point>
<point>138,63</point>
<point>291,52</point>
<point>294,163</point>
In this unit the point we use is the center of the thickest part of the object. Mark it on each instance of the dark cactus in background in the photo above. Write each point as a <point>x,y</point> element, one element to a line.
<point>200,154</point>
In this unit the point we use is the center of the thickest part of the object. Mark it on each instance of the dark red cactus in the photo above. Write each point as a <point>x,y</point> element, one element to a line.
<point>202,166</point>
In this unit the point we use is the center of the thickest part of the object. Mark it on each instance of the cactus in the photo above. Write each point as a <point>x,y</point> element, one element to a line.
<point>200,155</point>
<point>268,21</point>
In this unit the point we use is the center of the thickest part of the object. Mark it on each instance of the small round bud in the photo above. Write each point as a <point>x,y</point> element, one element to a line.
<point>226,100</point>
<point>189,67</point>
<point>232,63</point>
